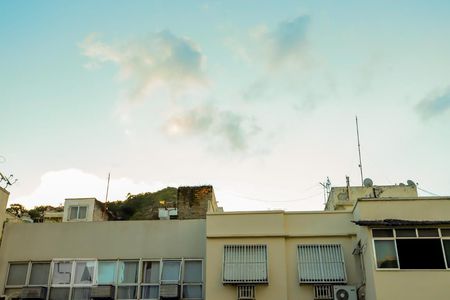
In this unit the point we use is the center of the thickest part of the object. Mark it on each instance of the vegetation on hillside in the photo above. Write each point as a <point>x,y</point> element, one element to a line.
<point>142,206</point>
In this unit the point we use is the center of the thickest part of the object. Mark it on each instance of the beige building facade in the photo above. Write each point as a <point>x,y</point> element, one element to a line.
<point>371,242</point>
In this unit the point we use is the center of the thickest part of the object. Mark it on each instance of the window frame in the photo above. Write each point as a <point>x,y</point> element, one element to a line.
<point>78,212</point>
<point>201,283</point>
<point>138,285</point>
<point>323,281</point>
<point>145,284</point>
<point>243,282</point>
<point>394,237</point>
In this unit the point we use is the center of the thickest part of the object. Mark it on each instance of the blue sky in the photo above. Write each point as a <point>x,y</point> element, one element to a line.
<point>257,98</point>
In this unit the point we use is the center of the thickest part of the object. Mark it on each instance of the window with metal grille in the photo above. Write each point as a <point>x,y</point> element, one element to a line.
<point>245,264</point>
<point>321,264</point>
<point>323,291</point>
<point>245,292</point>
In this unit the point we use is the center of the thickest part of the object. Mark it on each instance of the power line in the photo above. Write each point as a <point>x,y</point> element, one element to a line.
<point>430,193</point>
<point>274,201</point>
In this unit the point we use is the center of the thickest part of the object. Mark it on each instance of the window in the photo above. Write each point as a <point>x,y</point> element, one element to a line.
<point>386,254</point>
<point>321,264</point>
<point>73,279</point>
<point>171,271</point>
<point>192,279</point>
<point>106,272</point>
<point>84,272</point>
<point>411,248</point>
<point>150,280</point>
<point>77,212</point>
<point>17,274</point>
<point>245,264</point>
<point>62,272</point>
<point>127,279</point>
<point>39,273</point>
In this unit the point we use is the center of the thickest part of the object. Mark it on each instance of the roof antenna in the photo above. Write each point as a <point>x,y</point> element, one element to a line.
<point>359,152</point>
<point>107,187</point>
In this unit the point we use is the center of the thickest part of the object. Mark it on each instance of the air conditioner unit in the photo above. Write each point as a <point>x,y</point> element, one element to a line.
<point>38,292</point>
<point>345,292</point>
<point>4,297</point>
<point>168,290</point>
<point>102,292</point>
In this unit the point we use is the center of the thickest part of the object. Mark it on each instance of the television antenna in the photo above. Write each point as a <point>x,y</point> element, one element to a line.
<point>8,180</point>
<point>359,152</point>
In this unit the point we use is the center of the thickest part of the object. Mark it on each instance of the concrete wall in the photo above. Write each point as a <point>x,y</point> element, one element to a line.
<point>193,202</point>
<point>402,284</point>
<point>4,195</point>
<point>102,240</point>
<point>343,198</point>
<point>281,232</point>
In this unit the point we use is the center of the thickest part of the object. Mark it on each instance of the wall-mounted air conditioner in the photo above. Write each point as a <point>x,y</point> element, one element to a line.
<point>34,293</point>
<point>345,292</point>
<point>102,292</point>
<point>168,290</point>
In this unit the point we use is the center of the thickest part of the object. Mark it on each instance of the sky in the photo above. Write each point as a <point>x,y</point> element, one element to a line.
<point>257,98</point>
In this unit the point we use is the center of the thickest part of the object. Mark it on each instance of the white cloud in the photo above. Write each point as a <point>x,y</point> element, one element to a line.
<point>160,61</point>
<point>207,120</point>
<point>55,186</point>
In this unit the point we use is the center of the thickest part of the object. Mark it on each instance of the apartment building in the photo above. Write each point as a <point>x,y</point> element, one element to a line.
<point>90,256</point>
<point>370,242</point>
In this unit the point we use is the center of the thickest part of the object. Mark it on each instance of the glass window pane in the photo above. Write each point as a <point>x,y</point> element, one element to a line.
<point>39,273</point>
<point>171,270</point>
<point>59,293</point>
<point>385,254</point>
<point>428,232</point>
<point>126,292</point>
<point>192,271</point>
<point>106,272</point>
<point>128,271</point>
<point>150,292</point>
<point>62,272</point>
<point>447,251</point>
<point>192,291</point>
<point>445,231</point>
<point>84,272</point>
<point>73,212</point>
<point>420,254</point>
<point>405,232</point>
<point>82,212</point>
<point>81,294</point>
<point>382,233</point>
<point>151,272</point>
<point>17,274</point>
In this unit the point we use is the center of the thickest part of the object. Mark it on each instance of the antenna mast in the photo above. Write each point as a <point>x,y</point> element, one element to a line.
<point>359,152</point>
<point>107,187</point>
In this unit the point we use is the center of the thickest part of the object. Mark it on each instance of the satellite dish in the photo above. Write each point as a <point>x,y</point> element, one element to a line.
<point>368,182</point>
<point>410,182</point>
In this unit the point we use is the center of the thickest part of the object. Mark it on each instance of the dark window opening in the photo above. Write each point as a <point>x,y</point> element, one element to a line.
<point>420,254</point>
